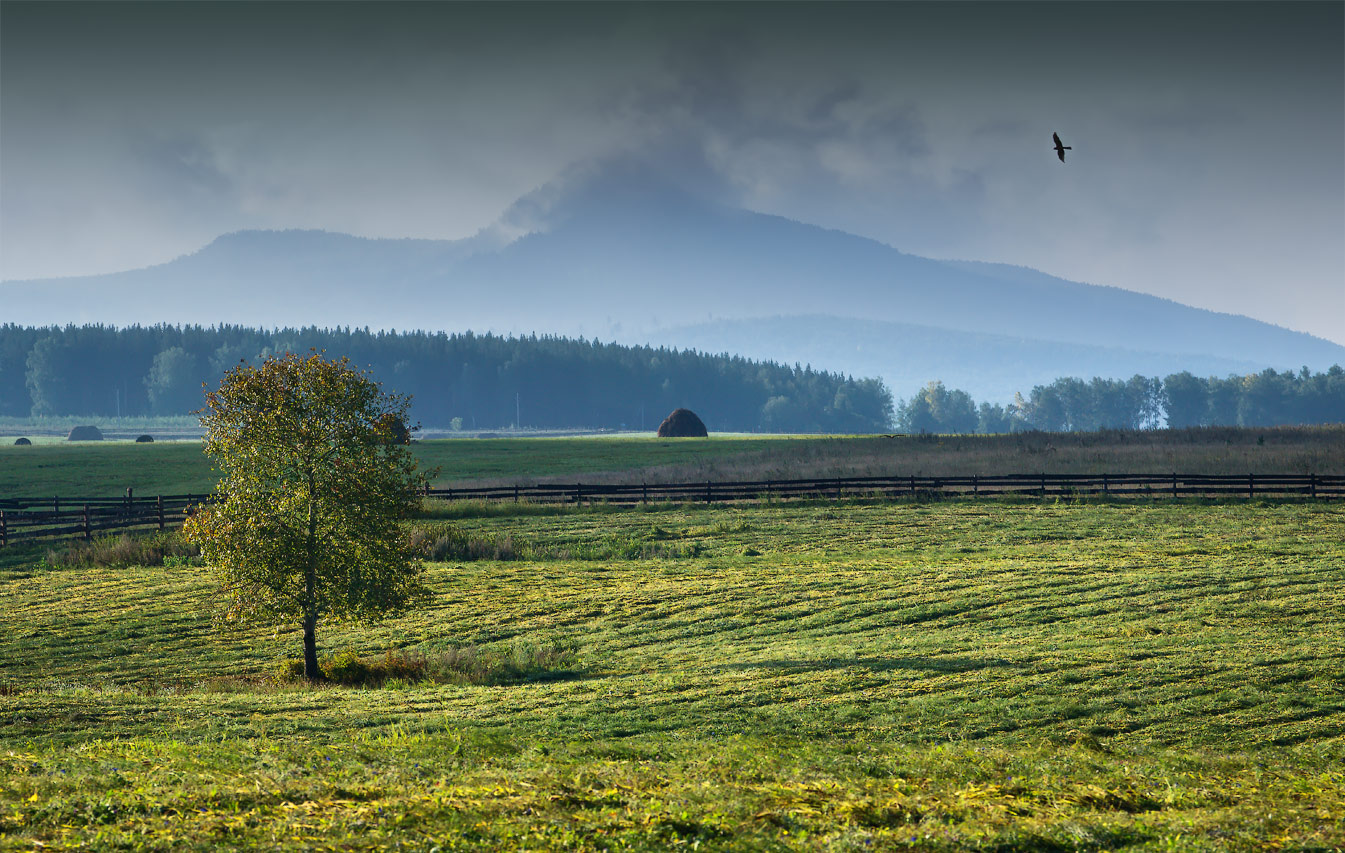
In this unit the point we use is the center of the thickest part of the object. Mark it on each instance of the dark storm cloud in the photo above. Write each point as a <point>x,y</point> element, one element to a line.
<point>132,132</point>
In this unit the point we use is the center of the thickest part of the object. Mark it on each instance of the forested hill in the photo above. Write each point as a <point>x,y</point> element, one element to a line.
<point>488,381</point>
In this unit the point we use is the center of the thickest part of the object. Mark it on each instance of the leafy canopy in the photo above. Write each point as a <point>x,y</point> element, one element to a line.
<point>304,521</point>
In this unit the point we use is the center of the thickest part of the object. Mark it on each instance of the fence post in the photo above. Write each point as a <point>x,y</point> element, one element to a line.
<point>4,531</point>
<point>975,485</point>
<point>158,503</point>
<point>88,534</point>
<point>1043,484</point>
<point>912,485</point>
<point>516,493</point>
<point>1174,484</point>
<point>578,493</point>
<point>838,488</point>
<point>1105,488</point>
<point>644,492</point>
<point>56,504</point>
<point>1312,486</point>
<point>769,483</point>
<point>707,491</point>
<point>1251,485</point>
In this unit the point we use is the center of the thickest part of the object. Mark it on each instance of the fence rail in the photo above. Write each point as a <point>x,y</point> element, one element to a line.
<point>1043,485</point>
<point>25,519</point>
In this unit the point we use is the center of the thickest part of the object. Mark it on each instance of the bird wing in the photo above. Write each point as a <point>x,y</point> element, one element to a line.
<point>1060,152</point>
<point>1056,137</point>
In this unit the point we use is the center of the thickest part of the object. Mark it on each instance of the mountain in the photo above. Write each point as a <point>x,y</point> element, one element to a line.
<point>618,253</point>
<point>906,356</point>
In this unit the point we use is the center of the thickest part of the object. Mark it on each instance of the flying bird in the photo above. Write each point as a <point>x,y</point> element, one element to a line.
<point>1060,149</point>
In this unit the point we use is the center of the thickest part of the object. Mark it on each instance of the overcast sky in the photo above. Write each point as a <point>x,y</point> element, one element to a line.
<point>1208,160</point>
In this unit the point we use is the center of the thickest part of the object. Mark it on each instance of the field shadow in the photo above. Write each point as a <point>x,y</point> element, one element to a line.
<point>877,664</point>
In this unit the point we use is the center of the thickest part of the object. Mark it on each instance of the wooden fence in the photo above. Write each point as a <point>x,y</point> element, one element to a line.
<point>1041,485</point>
<point>23,519</point>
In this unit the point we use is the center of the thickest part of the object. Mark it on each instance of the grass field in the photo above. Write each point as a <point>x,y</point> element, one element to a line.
<point>100,470</point>
<point>993,675</point>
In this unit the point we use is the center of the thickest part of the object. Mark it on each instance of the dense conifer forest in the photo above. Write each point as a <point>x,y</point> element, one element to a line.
<point>466,380</point>
<point>482,382</point>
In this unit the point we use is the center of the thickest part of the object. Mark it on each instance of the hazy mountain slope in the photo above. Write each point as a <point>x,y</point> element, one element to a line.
<point>906,356</point>
<point>255,278</point>
<point>665,259</point>
<point>620,254</point>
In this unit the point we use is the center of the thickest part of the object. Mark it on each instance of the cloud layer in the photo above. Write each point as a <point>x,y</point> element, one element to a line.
<point>1207,161</point>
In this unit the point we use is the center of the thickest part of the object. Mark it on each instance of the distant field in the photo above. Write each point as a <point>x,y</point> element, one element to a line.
<point>1006,676</point>
<point>98,469</point>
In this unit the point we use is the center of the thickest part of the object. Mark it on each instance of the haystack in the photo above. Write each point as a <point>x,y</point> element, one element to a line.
<point>85,433</point>
<point>144,439</point>
<point>682,423</point>
<point>22,441</point>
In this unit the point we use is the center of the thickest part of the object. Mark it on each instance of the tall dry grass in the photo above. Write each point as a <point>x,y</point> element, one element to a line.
<point>1203,450</point>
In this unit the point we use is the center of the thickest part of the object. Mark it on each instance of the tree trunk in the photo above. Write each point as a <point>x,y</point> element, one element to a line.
<point>311,670</point>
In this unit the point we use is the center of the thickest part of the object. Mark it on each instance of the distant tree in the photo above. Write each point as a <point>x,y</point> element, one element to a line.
<point>305,522</point>
<point>1185,400</point>
<point>174,382</point>
<point>861,406</point>
<point>992,419</point>
<point>15,344</point>
<point>51,370</point>
<point>935,409</point>
<point>779,414</point>
<point>1222,401</point>
<point>1045,410</point>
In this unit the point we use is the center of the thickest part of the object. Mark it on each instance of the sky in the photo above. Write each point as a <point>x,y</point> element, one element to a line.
<point>1207,161</point>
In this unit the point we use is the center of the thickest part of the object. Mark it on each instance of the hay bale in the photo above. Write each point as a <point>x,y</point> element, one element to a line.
<point>85,433</point>
<point>144,439</point>
<point>22,441</point>
<point>682,423</point>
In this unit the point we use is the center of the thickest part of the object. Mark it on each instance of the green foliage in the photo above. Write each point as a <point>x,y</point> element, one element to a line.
<point>1071,404</point>
<point>305,521</point>
<point>935,409</point>
<point>173,382</point>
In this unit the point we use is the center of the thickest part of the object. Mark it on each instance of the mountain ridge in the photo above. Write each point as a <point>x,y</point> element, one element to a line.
<point>607,253</point>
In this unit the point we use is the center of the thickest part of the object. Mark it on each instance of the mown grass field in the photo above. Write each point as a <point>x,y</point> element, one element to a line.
<point>102,470</point>
<point>999,675</point>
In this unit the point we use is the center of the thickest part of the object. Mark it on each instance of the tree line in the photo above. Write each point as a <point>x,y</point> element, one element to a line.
<point>1070,404</point>
<point>473,381</point>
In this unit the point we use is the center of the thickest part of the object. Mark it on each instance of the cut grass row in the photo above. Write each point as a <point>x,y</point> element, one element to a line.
<point>1007,676</point>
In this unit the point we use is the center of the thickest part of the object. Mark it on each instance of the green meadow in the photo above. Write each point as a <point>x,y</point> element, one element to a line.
<point>996,675</point>
<point>97,469</point>
<point>105,469</point>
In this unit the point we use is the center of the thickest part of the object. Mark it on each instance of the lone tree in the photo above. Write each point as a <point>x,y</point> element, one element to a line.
<point>304,522</point>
